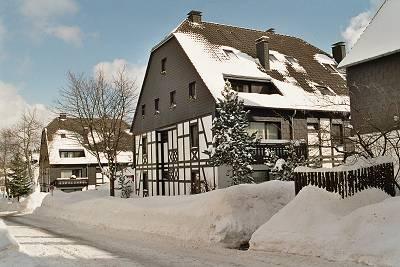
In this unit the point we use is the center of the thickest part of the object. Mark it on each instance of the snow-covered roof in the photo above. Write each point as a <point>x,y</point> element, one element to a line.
<point>380,38</point>
<point>65,135</point>
<point>297,68</point>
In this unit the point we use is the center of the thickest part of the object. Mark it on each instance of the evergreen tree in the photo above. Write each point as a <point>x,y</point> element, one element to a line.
<point>19,184</point>
<point>125,185</point>
<point>232,145</point>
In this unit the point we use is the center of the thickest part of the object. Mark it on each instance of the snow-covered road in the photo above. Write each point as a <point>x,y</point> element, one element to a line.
<point>52,244</point>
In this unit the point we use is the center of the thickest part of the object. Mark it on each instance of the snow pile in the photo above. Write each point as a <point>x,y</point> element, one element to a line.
<point>362,228</point>
<point>6,240</point>
<point>228,216</point>
<point>27,205</point>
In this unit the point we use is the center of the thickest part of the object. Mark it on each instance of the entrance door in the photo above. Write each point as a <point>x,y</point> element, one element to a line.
<point>163,182</point>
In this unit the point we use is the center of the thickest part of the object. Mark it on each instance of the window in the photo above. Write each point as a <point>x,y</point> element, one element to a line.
<point>194,135</point>
<point>195,182</point>
<point>75,173</point>
<point>265,130</point>
<point>324,90</point>
<point>163,65</point>
<point>337,134</point>
<point>144,145</point>
<point>156,106</point>
<point>63,135</point>
<point>172,102</point>
<point>267,88</point>
<point>192,90</point>
<point>272,130</point>
<point>72,154</point>
<point>143,110</point>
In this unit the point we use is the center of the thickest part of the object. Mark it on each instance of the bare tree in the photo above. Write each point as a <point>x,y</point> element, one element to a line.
<point>101,108</point>
<point>27,134</point>
<point>7,145</point>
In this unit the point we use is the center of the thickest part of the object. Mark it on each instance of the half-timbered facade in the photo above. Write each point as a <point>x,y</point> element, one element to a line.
<point>292,89</point>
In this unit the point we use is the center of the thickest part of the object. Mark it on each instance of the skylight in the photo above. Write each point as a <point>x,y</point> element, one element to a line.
<point>324,90</point>
<point>272,57</point>
<point>291,59</point>
<point>230,53</point>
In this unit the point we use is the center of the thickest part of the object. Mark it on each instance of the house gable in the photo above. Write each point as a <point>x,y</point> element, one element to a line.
<point>179,74</point>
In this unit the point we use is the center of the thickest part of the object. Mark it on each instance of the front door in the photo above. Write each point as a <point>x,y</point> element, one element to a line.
<point>163,182</point>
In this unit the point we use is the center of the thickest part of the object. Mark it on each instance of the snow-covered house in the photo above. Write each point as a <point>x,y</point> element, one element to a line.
<point>373,72</point>
<point>292,89</point>
<point>67,163</point>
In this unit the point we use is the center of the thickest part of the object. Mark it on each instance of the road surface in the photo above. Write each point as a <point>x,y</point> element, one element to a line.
<point>52,244</point>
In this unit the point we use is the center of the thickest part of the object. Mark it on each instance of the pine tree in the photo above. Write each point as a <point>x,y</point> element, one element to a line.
<point>19,184</point>
<point>232,145</point>
<point>125,186</point>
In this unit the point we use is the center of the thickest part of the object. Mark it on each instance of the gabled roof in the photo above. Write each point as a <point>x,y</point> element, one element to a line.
<point>380,38</point>
<point>297,70</point>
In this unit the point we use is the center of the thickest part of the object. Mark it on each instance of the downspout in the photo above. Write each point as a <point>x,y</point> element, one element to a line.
<point>292,122</point>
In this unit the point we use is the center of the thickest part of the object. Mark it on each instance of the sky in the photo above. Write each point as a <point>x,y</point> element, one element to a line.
<point>41,40</point>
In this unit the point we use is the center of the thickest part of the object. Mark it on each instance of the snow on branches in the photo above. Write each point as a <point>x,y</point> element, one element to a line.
<point>232,145</point>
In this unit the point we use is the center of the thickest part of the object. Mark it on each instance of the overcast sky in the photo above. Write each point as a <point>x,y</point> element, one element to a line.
<point>40,40</point>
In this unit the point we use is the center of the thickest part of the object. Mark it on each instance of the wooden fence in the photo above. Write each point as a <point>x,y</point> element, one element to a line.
<point>347,183</point>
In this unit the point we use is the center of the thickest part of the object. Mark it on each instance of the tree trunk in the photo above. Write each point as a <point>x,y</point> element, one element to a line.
<point>112,191</point>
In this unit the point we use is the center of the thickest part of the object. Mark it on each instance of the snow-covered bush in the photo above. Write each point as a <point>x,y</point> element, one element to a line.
<point>125,185</point>
<point>283,169</point>
<point>232,145</point>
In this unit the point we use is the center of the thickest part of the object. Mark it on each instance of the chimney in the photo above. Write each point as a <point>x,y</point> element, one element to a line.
<point>339,51</point>
<point>194,16</point>
<point>262,48</point>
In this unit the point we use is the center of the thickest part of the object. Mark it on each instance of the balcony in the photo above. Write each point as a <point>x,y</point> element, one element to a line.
<point>78,182</point>
<point>281,149</point>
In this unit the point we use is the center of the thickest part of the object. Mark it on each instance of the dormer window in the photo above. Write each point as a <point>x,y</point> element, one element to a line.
<point>163,65</point>
<point>257,87</point>
<point>72,154</point>
<point>63,135</point>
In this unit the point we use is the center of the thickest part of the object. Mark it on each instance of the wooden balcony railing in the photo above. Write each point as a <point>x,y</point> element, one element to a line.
<point>280,149</point>
<point>80,182</point>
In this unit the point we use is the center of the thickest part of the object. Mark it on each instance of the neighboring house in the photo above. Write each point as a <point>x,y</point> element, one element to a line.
<point>373,72</point>
<point>67,164</point>
<point>292,89</point>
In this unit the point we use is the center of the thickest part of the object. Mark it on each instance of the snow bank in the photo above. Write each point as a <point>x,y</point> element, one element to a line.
<point>27,205</point>
<point>6,240</point>
<point>363,228</point>
<point>228,216</point>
